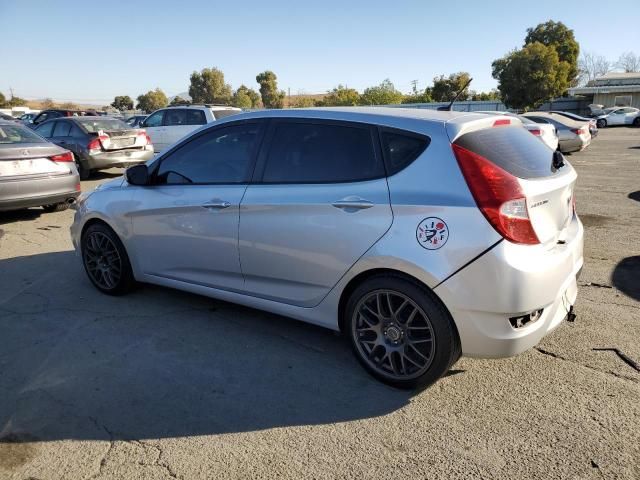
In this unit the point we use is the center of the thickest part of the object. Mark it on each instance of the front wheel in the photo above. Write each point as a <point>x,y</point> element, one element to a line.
<point>400,332</point>
<point>601,123</point>
<point>636,122</point>
<point>106,261</point>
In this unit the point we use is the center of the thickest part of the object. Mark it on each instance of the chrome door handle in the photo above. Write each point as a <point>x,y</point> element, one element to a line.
<point>359,204</point>
<point>216,205</point>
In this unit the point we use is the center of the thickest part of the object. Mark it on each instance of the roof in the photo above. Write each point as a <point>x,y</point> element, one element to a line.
<point>619,76</point>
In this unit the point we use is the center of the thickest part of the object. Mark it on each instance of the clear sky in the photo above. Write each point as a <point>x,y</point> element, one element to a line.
<point>89,51</point>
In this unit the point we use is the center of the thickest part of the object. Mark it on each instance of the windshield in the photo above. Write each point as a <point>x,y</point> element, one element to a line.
<point>12,134</point>
<point>93,125</point>
<point>609,110</point>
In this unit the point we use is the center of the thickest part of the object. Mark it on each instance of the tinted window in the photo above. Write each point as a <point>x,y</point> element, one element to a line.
<point>12,134</point>
<point>221,156</point>
<point>400,149</point>
<point>196,117</point>
<point>45,129</point>
<point>315,153</point>
<point>154,120</point>
<point>62,129</point>
<point>513,149</point>
<point>175,117</point>
<point>539,119</point>
<point>218,114</point>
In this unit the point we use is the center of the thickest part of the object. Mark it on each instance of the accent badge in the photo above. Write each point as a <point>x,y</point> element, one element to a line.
<point>432,233</point>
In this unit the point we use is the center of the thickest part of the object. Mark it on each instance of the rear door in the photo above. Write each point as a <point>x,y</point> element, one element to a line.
<point>153,124</point>
<point>319,201</point>
<point>617,117</point>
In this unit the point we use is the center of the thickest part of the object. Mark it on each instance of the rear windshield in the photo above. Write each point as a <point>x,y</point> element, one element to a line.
<point>11,134</point>
<point>513,149</point>
<point>218,114</point>
<point>94,125</point>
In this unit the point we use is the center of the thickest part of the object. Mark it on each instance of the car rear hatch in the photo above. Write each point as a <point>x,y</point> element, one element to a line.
<point>34,161</point>
<point>524,189</point>
<point>115,140</point>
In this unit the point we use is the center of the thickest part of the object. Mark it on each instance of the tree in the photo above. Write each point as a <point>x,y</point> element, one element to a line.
<point>122,103</point>
<point>3,99</point>
<point>445,88</point>
<point>417,97</point>
<point>591,66</point>
<point>271,96</point>
<point>383,94</point>
<point>245,97</point>
<point>484,96</point>
<point>16,102</point>
<point>177,100</point>
<point>629,62</point>
<point>47,103</point>
<point>558,36</point>
<point>341,96</point>
<point>303,102</point>
<point>530,76</point>
<point>208,87</point>
<point>152,100</point>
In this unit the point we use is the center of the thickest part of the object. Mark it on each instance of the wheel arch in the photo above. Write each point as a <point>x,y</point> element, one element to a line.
<point>365,275</point>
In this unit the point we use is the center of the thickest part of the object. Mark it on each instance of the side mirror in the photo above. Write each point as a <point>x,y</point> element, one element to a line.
<point>138,175</point>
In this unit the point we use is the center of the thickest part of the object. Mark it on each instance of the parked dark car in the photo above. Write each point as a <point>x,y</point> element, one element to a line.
<point>135,121</point>
<point>8,118</point>
<point>98,142</point>
<point>34,172</point>
<point>51,113</point>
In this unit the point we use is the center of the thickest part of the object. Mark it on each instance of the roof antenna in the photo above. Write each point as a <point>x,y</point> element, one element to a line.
<point>448,107</point>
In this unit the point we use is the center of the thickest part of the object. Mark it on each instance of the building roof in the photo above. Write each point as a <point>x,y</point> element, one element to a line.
<point>612,82</point>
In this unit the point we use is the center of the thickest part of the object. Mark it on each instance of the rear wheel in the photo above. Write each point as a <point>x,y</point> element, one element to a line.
<point>83,171</point>
<point>106,261</point>
<point>601,123</point>
<point>56,207</point>
<point>400,332</point>
<point>636,122</point>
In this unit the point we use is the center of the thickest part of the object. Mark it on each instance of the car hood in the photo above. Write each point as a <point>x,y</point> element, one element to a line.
<point>112,184</point>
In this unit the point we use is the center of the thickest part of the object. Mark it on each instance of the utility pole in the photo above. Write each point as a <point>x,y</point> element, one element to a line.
<point>414,84</point>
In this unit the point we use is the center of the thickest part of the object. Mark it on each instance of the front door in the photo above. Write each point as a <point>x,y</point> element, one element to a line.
<point>320,201</point>
<point>186,223</point>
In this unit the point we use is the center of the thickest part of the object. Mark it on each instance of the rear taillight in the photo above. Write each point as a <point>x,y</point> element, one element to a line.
<point>94,144</point>
<point>537,132</point>
<point>502,121</point>
<point>145,137</point>
<point>498,195</point>
<point>578,131</point>
<point>63,157</point>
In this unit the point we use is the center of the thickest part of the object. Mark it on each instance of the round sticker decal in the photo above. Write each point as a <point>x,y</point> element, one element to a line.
<point>432,233</point>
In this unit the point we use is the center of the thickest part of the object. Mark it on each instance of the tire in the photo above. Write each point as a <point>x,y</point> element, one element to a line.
<point>601,123</point>
<point>410,348</point>
<point>56,207</point>
<point>636,122</point>
<point>106,261</point>
<point>83,171</point>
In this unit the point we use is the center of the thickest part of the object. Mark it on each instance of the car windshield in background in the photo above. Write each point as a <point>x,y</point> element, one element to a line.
<point>11,134</point>
<point>218,114</point>
<point>107,124</point>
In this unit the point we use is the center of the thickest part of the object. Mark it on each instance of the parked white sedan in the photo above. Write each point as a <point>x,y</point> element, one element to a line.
<point>619,116</point>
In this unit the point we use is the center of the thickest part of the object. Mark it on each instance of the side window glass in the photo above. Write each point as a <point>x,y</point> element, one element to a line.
<point>196,117</point>
<point>321,153</point>
<point>221,156</point>
<point>400,149</point>
<point>45,129</point>
<point>175,117</point>
<point>154,120</point>
<point>62,129</point>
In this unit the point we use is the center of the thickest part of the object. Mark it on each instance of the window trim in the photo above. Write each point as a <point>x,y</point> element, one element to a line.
<point>153,173</point>
<point>406,133</point>
<point>258,176</point>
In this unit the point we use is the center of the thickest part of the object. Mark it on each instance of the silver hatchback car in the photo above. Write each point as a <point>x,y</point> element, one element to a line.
<point>420,235</point>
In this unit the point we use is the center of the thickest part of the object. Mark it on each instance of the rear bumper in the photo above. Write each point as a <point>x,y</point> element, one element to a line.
<point>120,158</point>
<point>512,280</point>
<point>574,145</point>
<point>17,194</point>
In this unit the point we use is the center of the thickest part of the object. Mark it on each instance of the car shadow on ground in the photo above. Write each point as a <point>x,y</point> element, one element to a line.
<point>104,175</point>
<point>626,277</point>
<point>77,364</point>
<point>634,196</point>
<point>20,215</point>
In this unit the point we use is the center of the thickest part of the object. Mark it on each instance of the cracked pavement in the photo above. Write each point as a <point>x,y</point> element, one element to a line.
<point>164,384</point>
